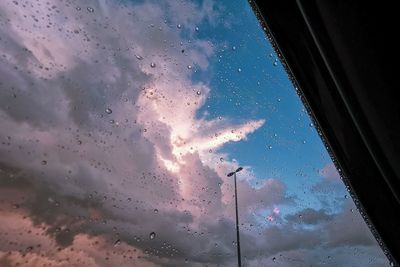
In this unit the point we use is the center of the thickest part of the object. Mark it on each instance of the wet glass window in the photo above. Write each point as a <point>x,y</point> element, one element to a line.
<point>119,122</point>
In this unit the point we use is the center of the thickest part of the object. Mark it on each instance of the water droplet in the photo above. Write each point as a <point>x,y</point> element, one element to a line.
<point>44,162</point>
<point>90,9</point>
<point>351,210</point>
<point>117,243</point>
<point>269,147</point>
<point>108,110</point>
<point>273,259</point>
<point>78,8</point>
<point>239,70</point>
<point>311,124</point>
<point>275,63</point>
<point>233,48</point>
<point>198,92</point>
<point>304,141</point>
<point>196,29</point>
<point>152,235</point>
<point>155,211</point>
<point>179,26</point>
<point>221,159</point>
<point>152,64</point>
<point>139,57</point>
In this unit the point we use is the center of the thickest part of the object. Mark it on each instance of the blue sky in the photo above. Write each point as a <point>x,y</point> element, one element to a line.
<point>249,82</point>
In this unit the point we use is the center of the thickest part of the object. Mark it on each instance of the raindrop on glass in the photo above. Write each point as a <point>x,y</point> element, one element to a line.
<point>152,235</point>
<point>139,57</point>
<point>117,243</point>
<point>196,29</point>
<point>239,70</point>
<point>179,26</point>
<point>44,162</point>
<point>155,211</point>
<point>152,64</point>
<point>198,93</point>
<point>108,110</point>
<point>189,67</point>
<point>90,9</point>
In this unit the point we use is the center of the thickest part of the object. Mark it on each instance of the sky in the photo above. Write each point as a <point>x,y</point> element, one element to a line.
<point>119,122</point>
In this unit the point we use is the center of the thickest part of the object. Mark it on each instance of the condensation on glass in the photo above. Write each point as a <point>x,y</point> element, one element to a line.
<point>119,122</point>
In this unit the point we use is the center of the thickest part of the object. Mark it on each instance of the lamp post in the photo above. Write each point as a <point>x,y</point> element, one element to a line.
<point>237,216</point>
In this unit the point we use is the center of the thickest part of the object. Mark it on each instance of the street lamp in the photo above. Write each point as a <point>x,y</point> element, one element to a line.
<point>237,216</point>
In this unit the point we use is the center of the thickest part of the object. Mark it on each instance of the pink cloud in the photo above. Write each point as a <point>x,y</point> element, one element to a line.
<point>329,172</point>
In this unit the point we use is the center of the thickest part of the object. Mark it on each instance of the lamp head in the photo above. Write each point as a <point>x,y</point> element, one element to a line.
<point>239,169</point>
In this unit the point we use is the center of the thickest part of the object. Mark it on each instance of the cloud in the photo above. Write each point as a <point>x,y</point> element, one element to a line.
<point>310,216</point>
<point>95,110</point>
<point>101,143</point>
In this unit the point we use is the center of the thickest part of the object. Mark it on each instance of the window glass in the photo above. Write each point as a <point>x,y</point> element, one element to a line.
<point>119,122</point>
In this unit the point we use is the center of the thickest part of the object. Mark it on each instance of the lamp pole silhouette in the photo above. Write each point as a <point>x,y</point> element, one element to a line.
<point>237,217</point>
